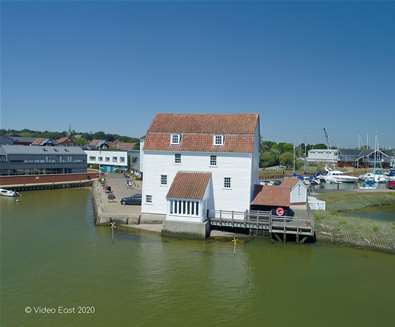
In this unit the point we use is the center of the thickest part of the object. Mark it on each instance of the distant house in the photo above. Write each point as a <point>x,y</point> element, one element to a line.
<point>107,160</point>
<point>65,141</point>
<point>41,141</point>
<point>124,146</point>
<point>6,140</point>
<point>365,158</point>
<point>41,160</point>
<point>98,145</point>
<point>326,156</point>
<point>20,140</point>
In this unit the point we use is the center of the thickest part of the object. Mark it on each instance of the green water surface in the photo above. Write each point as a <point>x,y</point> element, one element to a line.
<point>53,255</point>
<point>379,213</point>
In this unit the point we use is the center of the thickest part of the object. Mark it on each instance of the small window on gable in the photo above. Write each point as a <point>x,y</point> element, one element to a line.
<point>213,160</point>
<point>218,139</point>
<point>175,138</point>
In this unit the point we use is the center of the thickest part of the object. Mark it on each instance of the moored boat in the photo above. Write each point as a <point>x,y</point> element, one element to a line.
<point>8,193</point>
<point>377,175</point>
<point>368,184</point>
<point>337,177</point>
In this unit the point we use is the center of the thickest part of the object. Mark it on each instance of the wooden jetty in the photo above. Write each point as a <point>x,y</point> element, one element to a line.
<point>255,221</point>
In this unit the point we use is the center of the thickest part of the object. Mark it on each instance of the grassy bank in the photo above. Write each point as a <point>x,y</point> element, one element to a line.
<point>341,223</point>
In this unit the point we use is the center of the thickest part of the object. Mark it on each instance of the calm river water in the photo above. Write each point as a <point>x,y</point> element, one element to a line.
<point>52,255</point>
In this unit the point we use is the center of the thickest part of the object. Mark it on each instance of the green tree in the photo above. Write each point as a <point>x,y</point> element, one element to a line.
<point>268,159</point>
<point>286,159</point>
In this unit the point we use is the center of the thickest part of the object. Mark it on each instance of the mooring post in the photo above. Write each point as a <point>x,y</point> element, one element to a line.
<point>245,218</point>
<point>234,244</point>
<point>285,231</point>
<point>112,224</point>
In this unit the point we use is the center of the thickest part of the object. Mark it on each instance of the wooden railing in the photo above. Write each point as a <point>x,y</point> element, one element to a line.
<point>262,220</point>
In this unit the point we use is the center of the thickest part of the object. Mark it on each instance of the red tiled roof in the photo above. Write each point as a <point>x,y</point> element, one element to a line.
<point>64,139</point>
<point>197,131</point>
<point>200,142</point>
<point>266,195</point>
<point>125,146</point>
<point>38,140</point>
<point>189,185</point>
<point>94,142</point>
<point>289,182</point>
<point>204,123</point>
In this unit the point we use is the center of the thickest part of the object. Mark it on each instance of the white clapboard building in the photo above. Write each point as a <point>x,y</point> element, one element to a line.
<point>326,156</point>
<point>195,164</point>
<point>108,160</point>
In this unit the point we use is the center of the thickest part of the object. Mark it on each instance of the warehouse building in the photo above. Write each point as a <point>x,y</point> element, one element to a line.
<point>41,160</point>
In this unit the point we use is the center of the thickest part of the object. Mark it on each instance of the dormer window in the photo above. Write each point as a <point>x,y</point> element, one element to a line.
<point>218,140</point>
<point>175,138</point>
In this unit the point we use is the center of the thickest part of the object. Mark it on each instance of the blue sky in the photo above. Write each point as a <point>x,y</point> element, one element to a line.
<point>111,65</point>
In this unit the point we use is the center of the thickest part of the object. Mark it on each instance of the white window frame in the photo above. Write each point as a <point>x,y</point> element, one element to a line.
<point>175,158</point>
<point>219,136</point>
<point>148,198</point>
<point>213,160</point>
<point>227,181</point>
<point>184,207</point>
<point>163,178</point>
<point>172,138</point>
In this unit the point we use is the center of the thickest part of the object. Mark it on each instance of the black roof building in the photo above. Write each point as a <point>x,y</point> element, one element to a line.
<point>37,160</point>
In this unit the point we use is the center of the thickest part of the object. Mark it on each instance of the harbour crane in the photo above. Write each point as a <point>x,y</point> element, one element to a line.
<point>327,138</point>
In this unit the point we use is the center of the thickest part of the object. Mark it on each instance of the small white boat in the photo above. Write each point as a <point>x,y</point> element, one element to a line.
<point>337,177</point>
<point>8,193</point>
<point>377,175</point>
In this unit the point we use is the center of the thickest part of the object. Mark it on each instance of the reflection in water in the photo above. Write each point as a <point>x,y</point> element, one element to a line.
<point>52,254</point>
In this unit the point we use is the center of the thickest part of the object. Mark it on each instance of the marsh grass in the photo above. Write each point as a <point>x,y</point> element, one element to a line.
<point>341,224</point>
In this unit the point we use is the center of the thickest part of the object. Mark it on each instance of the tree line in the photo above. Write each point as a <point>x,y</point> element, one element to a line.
<point>281,153</point>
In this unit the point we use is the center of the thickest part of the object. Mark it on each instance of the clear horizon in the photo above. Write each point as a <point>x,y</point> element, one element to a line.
<point>110,66</point>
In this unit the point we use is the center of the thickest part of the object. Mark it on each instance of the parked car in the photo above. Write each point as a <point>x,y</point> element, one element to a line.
<point>391,185</point>
<point>132,200</point>
<point>108,189</point>
<point>111,196</point>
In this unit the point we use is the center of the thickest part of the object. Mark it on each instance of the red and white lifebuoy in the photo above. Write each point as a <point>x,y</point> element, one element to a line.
<point>280,211</point>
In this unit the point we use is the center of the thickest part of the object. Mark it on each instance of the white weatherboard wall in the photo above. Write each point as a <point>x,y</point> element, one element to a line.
<point>237,166</point>
<point>316,204</point>
<point>141,155</point>
<point>298,193</point>
<point>93,157</point>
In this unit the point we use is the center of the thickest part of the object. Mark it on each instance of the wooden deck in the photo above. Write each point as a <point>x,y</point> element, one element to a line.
<point>264,221</point>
